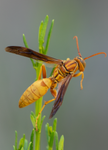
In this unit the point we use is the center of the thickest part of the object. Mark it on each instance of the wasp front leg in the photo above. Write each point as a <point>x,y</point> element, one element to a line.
<point>82,77</point>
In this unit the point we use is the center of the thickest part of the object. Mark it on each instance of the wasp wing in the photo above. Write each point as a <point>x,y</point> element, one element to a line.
<point>61,92</point>
<point>23,51</point>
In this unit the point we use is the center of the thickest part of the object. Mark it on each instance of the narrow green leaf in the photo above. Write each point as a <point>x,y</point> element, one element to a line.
<point>21,142</point>
<point>25,145</point>
<point>47,147</point>
<point>32,139</point>
<point>61,143</point>
<point>29,146</point>
<point>56,140</point>
<point>23,137</point>
<point>22,148</point>
<point>33,118</point>
<point>40,30</point>
<point>50,130</point>
<point>48,37</point>
<point>54,124</point>
<point>47,134</point>
<point>13,147</point>
<point>42,122</point>
<point>15,140</point>
<point>26,45</point>
<point>24,40</point>
<point>51,139</point>
<point>42,34</point>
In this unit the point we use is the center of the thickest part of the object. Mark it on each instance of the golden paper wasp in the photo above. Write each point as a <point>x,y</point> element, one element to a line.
<point>62,75</point>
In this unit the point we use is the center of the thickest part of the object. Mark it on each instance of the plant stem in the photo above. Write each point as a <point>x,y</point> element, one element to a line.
<point>38,133</point>
<point>38,106</point>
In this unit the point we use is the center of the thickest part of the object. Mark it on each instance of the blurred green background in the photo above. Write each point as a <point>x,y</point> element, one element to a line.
<point>83,117</point>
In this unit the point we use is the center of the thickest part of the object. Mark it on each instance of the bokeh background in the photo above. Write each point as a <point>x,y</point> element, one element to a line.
<point>83,117</point>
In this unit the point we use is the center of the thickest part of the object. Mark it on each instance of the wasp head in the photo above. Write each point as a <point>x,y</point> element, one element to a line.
<point>81,63</point>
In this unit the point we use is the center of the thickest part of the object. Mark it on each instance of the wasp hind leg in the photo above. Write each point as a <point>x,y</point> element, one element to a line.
<point>45,103</point>
<point>82,77</point>
<point>54,93</point>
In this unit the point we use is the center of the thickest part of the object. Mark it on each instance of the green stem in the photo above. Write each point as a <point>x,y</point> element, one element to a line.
<point>37,66</point>
<point>38,106</point>
<point>38,133</point>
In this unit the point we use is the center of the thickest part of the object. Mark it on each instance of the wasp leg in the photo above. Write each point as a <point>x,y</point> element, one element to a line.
<point>45,103</point>
<point>54,93</point>
<point>42,71</point>
<point>82,77</point>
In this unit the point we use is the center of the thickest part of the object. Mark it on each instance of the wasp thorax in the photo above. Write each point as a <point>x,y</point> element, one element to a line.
<point>81,63</point>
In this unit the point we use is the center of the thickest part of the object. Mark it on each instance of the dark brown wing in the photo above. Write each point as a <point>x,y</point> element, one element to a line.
<point>61,92</point>
<point>32,54</point>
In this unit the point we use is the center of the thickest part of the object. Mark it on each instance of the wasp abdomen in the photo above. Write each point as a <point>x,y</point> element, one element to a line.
<point>35,91</point>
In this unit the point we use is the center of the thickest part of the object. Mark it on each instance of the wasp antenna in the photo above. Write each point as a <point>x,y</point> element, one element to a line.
<point>77,45</point>
<point>95,55</point>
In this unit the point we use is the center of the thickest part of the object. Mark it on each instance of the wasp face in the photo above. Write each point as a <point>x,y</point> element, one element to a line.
<point>81,63</point>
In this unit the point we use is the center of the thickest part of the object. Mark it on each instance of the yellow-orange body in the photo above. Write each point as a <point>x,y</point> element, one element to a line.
<point>62,75</point>
<point>34,92</point>
<point>40,87</point>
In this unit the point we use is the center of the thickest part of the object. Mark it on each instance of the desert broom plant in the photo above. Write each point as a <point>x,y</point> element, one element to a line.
<point>50,131</point>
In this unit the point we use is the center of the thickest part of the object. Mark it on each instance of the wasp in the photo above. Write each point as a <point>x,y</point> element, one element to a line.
<point>62,74</point>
